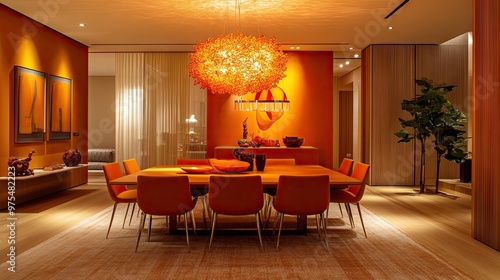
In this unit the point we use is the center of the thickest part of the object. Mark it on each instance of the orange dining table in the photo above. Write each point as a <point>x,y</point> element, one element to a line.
<point>270,176</point>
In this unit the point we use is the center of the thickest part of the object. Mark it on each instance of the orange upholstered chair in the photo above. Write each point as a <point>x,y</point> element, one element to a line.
<point>302,196</point>
<point>353,193</point>
<point>201,195</point>
<point>235,195</point>
<point>345,168</point>
<point>131,166</point>
<point>164,195</point>
<point>119,194</point>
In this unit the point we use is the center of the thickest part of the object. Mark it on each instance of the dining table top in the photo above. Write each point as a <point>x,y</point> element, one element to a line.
<point>270,175</point>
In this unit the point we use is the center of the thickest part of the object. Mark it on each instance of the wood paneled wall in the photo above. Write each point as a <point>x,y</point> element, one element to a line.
<point>486,115</point>
<point>392,81</point>
<point>389,77</point>
<point>345,125</point>
<point>444,64</point>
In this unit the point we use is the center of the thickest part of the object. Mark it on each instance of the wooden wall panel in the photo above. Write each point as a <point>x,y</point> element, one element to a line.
<point>366,95</point>
<point>486,116</point>
<point>435,62</point>
<point>345,125</point>
<point>393,80</point>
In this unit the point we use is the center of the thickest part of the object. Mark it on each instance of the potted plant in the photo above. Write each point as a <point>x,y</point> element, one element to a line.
<point>433,115</point>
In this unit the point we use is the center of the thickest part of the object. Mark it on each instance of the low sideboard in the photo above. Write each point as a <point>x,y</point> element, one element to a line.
<point>42,183</point>
<point>305,155</point>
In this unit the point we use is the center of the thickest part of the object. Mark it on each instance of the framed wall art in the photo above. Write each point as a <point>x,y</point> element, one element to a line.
<point>29,105</point>
<point>59,108</point>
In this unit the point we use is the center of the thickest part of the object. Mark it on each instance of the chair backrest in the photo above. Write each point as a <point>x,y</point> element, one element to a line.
<point>192,161</point>
<point>131,166</point>
<point>236,195</point>
<point>113,171</point>
<point>164,195</point>
<point>280,161</point>
<point>359,172</point>
<point>346,166</point>
<point>302,195</point>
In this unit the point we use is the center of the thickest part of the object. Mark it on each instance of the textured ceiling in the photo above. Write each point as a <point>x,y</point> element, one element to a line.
<point>173,25</point>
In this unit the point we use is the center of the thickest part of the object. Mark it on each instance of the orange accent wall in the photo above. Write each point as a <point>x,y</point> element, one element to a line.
<point>309,87</point>
<point>27,43</point>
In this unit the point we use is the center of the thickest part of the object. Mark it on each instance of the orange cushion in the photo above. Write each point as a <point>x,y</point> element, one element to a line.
<point>130,194</point>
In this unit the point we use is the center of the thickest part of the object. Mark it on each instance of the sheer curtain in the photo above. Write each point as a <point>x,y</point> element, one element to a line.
<point>129,89</point>
<point>163,129</point>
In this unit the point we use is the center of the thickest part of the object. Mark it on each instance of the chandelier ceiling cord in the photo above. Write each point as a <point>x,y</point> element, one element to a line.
<point>237,64</point>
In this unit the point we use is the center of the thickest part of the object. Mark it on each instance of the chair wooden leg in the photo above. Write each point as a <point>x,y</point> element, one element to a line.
<point>279,231</point>
<point>349,213</point>
<point>318,225</point>
<point>257,216</point>
<point>112,216</point>
<point>361,218</point>
<point>187,231</point>
<point>125,218</point>
<point>132,214</point>
<point>193,221</point>
<point>149,228</point>
<point>275,222</point>
<point>141,228</point>
<point>214,218</point>
<point>323,222</point>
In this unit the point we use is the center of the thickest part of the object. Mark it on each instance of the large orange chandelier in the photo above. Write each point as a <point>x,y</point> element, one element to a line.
<point>237,64</point>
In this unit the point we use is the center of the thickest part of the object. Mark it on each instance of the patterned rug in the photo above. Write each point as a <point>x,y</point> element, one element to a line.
<point>82,252</point>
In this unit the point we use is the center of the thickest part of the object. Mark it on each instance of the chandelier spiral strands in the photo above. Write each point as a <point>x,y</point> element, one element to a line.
<point>237,64</point>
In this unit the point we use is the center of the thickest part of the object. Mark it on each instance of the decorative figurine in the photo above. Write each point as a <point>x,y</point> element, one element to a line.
<point>21,165</point>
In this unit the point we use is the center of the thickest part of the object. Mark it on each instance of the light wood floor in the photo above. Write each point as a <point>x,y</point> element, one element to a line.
<point>441,223</point>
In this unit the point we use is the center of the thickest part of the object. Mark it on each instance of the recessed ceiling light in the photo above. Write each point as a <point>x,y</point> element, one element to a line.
<point>341,65</point>
<point>351,48</point>
<point>356,55</point>
<point>297,48</point>
<point>347,63</point>
<point>292,48</point>
<point>390,27</point>
<point>82,24</point>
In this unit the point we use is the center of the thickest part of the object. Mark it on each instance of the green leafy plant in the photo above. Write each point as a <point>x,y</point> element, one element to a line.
<point>433,115</point>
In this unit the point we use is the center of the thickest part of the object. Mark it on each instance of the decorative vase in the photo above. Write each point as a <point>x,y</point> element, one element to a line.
<point>260,162</point>
<point>244,156</point>
<point>72,157</point>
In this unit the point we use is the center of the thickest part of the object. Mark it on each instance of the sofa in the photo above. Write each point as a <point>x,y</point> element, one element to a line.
<point>99,156</point>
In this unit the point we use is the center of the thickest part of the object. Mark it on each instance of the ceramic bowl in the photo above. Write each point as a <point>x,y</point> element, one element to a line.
<point>293,142</point>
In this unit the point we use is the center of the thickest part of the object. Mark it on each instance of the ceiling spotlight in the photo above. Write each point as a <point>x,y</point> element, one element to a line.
<point>341,65</point>
<point>356,55</point>
<point>82,25</point>
<point>351,48</point>
<point>347,63</point>
<point>390,27</point>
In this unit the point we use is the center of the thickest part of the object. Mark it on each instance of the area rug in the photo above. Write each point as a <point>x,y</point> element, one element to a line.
<point>82,252</point>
